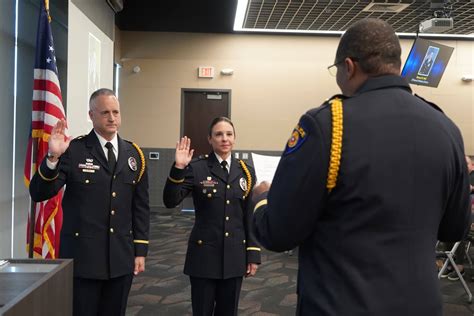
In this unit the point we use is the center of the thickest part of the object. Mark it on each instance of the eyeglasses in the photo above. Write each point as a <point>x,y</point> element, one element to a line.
<point>333,68</point>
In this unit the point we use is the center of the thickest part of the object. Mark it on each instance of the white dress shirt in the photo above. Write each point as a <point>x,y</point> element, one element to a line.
<point>229,159</point>
<point>103,141</point>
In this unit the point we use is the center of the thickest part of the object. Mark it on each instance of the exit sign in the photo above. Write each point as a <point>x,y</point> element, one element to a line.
<point>205,72</point>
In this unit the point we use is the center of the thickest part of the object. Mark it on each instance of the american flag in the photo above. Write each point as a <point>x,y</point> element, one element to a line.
<point>47,109</point>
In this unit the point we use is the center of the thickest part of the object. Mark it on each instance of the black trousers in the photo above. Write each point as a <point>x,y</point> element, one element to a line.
<point>101,297</point>
<point>215,296</point>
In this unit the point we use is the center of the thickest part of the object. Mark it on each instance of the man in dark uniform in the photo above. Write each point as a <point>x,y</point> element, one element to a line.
<point>106,210</point>
<point>367,184</point>
<point>221,248</point>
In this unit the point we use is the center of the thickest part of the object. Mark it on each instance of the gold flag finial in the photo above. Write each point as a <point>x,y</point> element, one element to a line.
<point>46,6</point>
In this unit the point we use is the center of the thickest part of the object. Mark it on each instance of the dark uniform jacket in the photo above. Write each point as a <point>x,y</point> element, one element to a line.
<point>220,245</point>
<point>106,216</point>
<point>368,246</point>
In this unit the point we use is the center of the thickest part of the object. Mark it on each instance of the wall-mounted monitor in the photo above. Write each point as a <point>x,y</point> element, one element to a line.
<point>426,62</point>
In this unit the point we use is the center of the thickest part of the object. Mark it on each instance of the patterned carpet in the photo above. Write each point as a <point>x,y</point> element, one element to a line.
<point>163,289</point>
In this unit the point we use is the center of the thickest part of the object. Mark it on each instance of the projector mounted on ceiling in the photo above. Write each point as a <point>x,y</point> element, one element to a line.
<point>441,21</point>
<point>436,25</point>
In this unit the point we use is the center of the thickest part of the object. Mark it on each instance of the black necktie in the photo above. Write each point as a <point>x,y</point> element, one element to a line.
<point>224,166</point>
<point>111,156</point>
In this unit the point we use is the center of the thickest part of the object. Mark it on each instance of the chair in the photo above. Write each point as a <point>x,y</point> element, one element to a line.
<point>449,256</point>
<point>470,239</point>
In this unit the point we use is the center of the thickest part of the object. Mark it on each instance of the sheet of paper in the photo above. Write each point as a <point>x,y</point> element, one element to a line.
<point>265,166</point>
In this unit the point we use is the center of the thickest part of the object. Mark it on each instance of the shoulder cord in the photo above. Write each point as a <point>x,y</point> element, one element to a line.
<point>142,159</point>
<point>249,177</point>
<point>336,143</point>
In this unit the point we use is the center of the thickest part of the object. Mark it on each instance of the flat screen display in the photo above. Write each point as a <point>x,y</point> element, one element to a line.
<point>426,62</point>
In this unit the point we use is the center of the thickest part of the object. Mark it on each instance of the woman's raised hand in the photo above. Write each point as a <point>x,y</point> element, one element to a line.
<point>183,153</point>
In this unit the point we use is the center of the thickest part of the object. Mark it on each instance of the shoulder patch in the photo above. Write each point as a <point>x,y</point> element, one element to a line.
<point>297,138</point>
<point>81,136</point>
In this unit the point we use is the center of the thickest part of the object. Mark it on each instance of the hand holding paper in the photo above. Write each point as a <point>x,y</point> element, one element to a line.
<point>260,188</point>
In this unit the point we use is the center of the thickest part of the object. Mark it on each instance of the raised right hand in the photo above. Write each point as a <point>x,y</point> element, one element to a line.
<point>58,141</point>
<point>183,153</point>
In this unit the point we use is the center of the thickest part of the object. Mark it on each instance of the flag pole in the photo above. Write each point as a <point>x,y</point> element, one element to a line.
<point>32,226</point>
<point>31,232</point>
<point>46,217</point>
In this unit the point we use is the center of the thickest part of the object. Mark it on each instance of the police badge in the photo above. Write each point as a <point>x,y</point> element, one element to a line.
<point>243,184</point>
<point>132,163</point>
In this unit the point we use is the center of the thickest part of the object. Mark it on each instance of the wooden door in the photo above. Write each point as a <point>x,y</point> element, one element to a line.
<point>199,108</point>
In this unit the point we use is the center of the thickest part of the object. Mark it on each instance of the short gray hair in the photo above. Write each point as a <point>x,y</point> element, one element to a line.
<point>97,93</point>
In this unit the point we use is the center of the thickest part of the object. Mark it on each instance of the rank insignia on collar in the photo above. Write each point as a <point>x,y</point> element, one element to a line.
<point>243,184</point>
<point>132,163</point>
<point>297,138</point>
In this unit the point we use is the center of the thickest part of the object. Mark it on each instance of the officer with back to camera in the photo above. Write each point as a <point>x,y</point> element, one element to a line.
<point>369,181</point>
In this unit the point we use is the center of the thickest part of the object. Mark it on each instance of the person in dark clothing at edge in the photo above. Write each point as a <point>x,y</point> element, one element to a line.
<point>367,184</point>
<point>221,248</point>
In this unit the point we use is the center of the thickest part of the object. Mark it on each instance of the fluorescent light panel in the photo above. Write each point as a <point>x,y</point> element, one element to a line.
<point>241,12</point>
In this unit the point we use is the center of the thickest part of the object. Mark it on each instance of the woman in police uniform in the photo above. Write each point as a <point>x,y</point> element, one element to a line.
<point>221,249</point>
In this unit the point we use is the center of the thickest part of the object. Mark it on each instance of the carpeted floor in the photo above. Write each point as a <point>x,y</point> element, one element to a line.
<point>163,289</point>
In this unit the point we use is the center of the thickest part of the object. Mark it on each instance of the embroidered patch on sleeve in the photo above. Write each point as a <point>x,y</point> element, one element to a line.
<point>297,138</point>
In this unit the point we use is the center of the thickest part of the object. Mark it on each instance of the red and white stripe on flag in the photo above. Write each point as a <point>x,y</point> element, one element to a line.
<point>47,109</point>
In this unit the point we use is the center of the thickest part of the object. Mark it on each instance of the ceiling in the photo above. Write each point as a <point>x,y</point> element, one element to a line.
<point>201,16</point>
<point>217,16</point>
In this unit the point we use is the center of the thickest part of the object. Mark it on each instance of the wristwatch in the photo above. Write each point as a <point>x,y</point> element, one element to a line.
<point>50,155</point>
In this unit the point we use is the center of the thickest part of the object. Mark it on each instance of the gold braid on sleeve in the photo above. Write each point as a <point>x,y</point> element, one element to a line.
<point>336,143</point>
<point>142,159</point>
<point>249,177</point>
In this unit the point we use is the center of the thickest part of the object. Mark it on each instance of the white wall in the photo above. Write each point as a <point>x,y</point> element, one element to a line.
<point>78,69</point>
<point>7,42</point>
